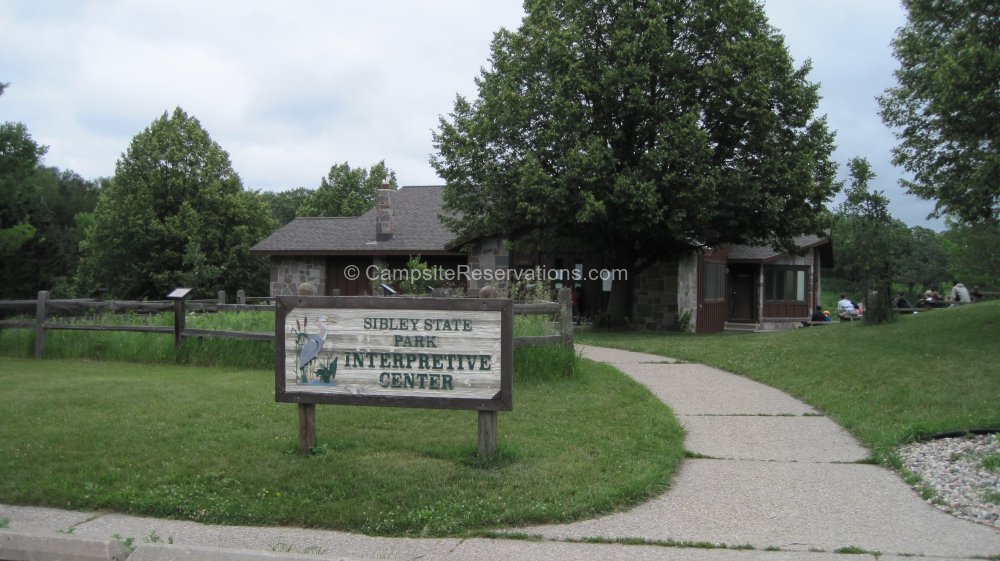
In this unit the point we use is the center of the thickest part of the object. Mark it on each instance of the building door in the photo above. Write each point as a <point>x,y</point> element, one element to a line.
<point>348,274</point>
<point>712,304</point>
<point>744,294</point>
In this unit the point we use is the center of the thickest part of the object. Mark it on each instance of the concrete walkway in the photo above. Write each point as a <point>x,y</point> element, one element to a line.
<point>777,475</point>
<point>771,474</point>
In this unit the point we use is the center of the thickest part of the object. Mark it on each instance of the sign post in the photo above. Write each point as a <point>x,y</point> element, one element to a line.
<point>178,295</point>
<point>437,353</point>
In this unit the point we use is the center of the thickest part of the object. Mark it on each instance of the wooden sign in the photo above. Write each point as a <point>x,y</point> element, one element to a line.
<point>401,352</point>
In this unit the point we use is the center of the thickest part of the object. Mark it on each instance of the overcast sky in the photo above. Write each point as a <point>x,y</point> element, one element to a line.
<point>291,88</point>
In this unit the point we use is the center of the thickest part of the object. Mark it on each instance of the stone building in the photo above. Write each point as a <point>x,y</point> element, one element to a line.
<point>715,289</point>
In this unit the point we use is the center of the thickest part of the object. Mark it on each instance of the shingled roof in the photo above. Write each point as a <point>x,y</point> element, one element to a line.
<point>417,229</point>
<point>764,253</point>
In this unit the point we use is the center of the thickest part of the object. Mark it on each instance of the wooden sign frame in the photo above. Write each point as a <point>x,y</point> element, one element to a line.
<point>473,312</point>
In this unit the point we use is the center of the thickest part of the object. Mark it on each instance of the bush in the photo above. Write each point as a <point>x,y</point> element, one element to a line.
<point>421,278</point>
<point>529,289</point>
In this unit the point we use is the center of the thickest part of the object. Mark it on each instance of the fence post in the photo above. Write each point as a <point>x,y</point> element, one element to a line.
<point>178,321</point>
<point>307,428</point>
<point>222,297</point>
<point>486,444</point>
<point>307,411</point>
<point>40,317</point>
<point>566,316</point>
<point>241,297</point>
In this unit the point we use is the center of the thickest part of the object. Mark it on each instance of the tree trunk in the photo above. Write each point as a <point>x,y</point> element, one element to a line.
<point>879,304</point>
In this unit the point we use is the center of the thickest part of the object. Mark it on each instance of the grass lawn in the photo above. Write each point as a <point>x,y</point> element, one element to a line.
<point>210,444</point>
<point>926,373</point>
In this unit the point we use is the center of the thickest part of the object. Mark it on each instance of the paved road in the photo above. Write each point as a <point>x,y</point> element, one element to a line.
<point>772,474</point>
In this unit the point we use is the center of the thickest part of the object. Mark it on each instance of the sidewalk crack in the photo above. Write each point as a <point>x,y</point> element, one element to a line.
<point>95,516</point>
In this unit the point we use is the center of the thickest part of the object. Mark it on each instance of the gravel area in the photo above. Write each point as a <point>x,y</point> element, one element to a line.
<point>964,472</point>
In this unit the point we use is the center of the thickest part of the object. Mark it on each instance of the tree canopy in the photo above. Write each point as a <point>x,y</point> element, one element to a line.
<point>61,205</point>
<point>946,108</point>
<point>974,251</point>
<point>347,191</point>
<point>285,205</point>
<point>927,261</point>
<point>19,158</point>
<point>636,130</point>
<point>176,214</point>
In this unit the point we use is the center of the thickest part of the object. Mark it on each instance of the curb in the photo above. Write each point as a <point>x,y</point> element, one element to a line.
<point>27,546</point>
<point>34,546</point>
<point>160,552</point>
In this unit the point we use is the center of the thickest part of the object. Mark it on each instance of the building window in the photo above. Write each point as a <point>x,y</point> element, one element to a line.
<point>785,284</point>
<point>715,282</point>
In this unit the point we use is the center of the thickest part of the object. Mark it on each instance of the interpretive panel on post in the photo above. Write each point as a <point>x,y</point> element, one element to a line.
<point>405,352</point>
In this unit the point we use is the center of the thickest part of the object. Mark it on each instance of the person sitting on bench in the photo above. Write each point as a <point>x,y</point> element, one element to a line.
<point>818,314</point>
<point>846,309</point>
<point>901,301</point>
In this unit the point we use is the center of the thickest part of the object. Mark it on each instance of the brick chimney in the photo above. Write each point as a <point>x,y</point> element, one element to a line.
<point>383,214</point>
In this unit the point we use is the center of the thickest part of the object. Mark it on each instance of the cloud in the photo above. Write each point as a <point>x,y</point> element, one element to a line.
<point>848,43</point>
<point>290,89</point>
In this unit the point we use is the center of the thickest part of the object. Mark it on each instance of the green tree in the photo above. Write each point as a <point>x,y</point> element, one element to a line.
<point>285,205</point>
<point>874,242</point>
<point>175,213</point>
<point>927,261</point>
<point>39,237</point>
<point>975,254</point>
<point>347,191</point>
<point>946,108</point>
<point>19,158</point>
<point>58,202</point>
<point>637,130</point>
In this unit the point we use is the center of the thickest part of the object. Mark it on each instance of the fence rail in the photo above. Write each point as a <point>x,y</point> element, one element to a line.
<point>43,307</point>
<point>11,307</point>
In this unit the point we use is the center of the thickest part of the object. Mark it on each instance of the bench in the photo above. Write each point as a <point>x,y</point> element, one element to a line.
<point>934,306</point>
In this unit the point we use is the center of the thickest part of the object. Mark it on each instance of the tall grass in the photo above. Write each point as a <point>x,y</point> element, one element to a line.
<point>156,348</point>
<point>548,362</point>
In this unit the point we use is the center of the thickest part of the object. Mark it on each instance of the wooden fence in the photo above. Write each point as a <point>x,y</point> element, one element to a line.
<point>46,312</point>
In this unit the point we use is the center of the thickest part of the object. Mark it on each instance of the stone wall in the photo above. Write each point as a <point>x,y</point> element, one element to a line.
<point>287,273</point>
<point>488,254</point>
<point>654,296</point>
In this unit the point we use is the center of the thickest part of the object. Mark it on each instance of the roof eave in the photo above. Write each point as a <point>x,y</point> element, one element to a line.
<point>334,253</point>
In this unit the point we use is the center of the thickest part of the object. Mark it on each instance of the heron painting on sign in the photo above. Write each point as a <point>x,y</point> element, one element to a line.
<point>309,346</point>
